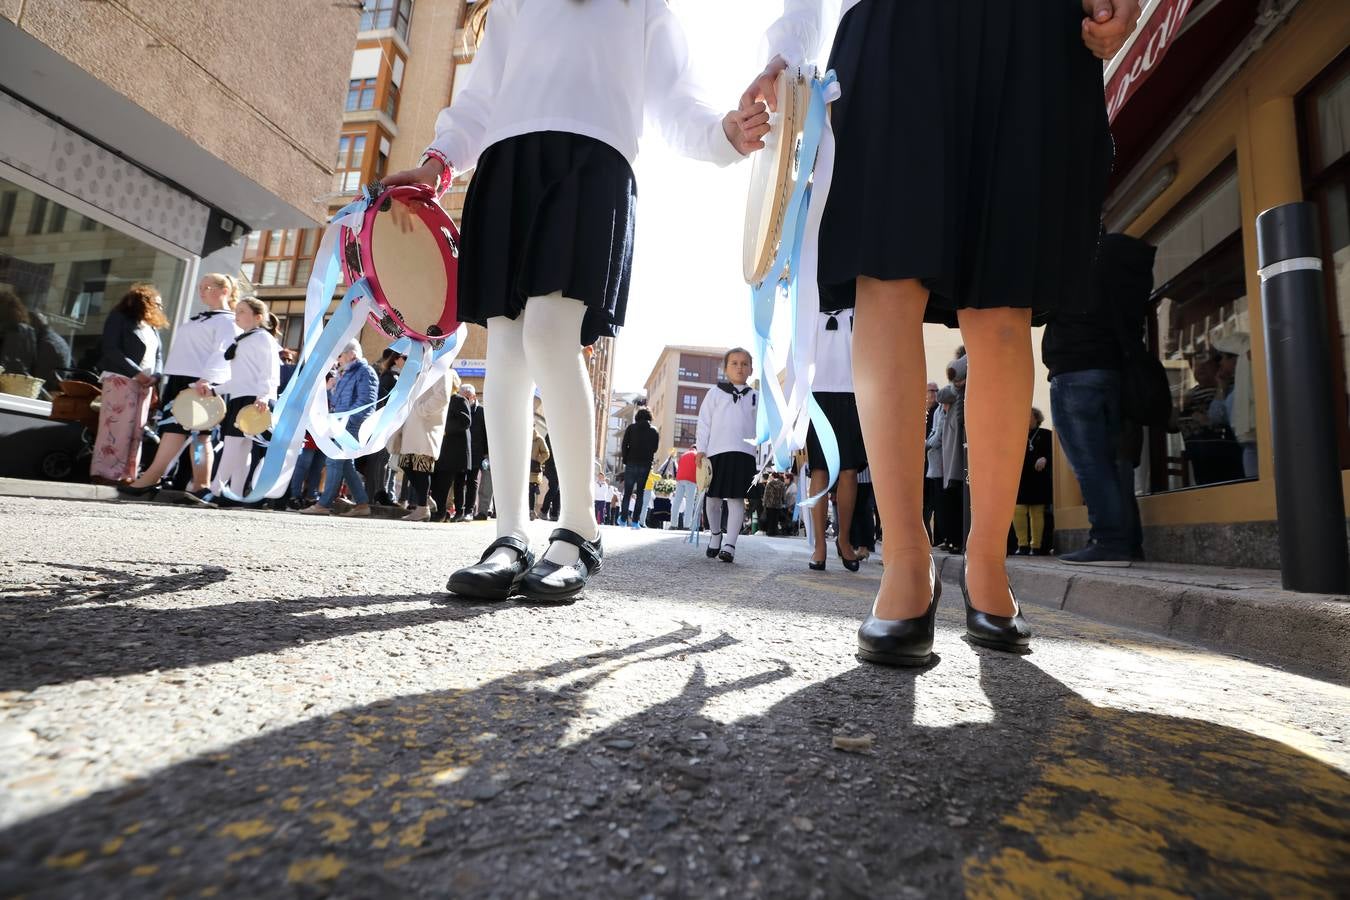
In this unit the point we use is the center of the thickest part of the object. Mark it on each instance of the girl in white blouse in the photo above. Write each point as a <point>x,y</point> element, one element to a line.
<point>551,116</point>
<point>255,375</point>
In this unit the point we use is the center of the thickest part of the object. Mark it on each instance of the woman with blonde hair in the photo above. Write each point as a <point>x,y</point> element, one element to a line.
<point>130,365</point>
<point>196,361</point>
<point>255,374</point>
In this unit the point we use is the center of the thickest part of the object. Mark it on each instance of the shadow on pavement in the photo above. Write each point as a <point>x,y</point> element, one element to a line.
<point>47,641</point>
<point>490,791</point>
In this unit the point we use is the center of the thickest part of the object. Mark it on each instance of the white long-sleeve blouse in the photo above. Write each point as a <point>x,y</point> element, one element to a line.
<point>591,69</point>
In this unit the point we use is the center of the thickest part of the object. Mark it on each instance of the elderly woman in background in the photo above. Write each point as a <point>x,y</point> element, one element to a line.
<point>130,365</point>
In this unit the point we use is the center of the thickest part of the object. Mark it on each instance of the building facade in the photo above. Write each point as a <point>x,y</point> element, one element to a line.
<point>675,389</point>
<point>1248,109</point>
<point>137,148</point>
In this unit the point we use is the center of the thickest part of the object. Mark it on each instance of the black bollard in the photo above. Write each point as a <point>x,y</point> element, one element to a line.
<point>1309,503</point>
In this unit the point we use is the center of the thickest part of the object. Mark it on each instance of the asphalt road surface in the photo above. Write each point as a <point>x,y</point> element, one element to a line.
<point>242,704</point>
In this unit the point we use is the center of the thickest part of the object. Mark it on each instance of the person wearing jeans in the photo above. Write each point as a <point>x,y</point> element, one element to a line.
<point>686,488</point>
<point>640,442</point>
<point>1083,351</point>
<point>354,392</point>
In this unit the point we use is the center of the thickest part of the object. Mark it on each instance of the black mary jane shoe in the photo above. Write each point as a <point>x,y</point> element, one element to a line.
<point>712,551</point>
<point>493,580</point>
<point>1010,634</point>
<point>553,582</point>
<point>126,490</point>
<point>727,554</point>
<point>852,565</point>
<point>900,642</point>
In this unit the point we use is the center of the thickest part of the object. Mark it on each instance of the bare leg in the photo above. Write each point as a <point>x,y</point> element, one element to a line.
<point>846,499</point>
<point>998,396</point>
<point>889,378</point>
<point>170,445</point>
<point>819,478</point>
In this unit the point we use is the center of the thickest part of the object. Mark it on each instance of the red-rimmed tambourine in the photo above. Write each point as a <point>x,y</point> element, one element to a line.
<point>407,249</point>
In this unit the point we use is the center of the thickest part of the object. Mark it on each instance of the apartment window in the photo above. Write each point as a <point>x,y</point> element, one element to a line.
<point>88,224</point>
<point>393,14</point>
<point>686,433</point>
<point>8,200</point>
<point>360,94</point>
<point>690,399</point>
<point>36,214</point>
<point>56,222</point>
<point>350,156</point>
<point>390,102</point>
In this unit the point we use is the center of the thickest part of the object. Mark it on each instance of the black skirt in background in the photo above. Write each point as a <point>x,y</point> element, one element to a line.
<point>235,405</point>
<point>842,411</point>
<point>732,474</point>
<point>972,154</point>
<point>548,211</point>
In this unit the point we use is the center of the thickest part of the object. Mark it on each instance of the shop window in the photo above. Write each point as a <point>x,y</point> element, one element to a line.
<point>380,14</point>
<point>1325,109</point>
<point>74,278</point>
<point>350,157</point>
<point>361,94</point>
<point>1202,333</point>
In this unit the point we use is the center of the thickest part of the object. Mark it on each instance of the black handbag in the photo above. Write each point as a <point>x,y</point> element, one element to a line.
<point>1145,391</point>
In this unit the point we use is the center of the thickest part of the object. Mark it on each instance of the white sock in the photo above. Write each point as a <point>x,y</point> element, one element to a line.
<point>552,341</point>
<point>233,469</point>
<point>735,519</point>
<point>508,410</point>
<point>714,507</point>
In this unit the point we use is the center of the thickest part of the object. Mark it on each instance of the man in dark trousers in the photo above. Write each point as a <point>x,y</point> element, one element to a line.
<point>640,443</point>
<point>1083,349</point>
<point>482,466</point>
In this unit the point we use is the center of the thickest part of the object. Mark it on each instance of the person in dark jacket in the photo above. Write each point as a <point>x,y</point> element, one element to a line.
<point>548,510</point>
<point>1036,488</point>
<point>129,365</point>
<point>355,389</point>
<point>1082,350</point>
<point>456,460</point>
<point>375,467</point>
<point>640,443</point>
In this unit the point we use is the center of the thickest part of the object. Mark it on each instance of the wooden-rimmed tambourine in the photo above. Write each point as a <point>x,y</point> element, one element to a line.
<point>407,249</point>
<point>252,421</point>
<point>194,412</point>
<point>776,171</point>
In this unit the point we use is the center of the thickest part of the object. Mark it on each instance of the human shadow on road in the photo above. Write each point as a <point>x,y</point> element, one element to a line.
<point>50,641</point>
<point>503,790</point>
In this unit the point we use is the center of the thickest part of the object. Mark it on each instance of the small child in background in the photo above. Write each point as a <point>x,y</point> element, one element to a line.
<point>726,436</point>
<point>600,492</point>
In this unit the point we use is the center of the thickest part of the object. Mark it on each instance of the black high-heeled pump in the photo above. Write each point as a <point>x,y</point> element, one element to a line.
<point>901,642</point>
<point>1010,634</point>
<point>816,566</point>
<point>851,564</point>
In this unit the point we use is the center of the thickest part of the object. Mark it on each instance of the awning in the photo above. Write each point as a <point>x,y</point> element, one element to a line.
<point>1158,29</point>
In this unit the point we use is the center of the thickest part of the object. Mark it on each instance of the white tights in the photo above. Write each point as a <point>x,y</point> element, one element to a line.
<point>735,519</point>
<point>234,463</point>
<point>541,347</point>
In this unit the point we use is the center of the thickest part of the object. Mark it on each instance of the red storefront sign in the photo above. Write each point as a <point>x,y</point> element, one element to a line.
<point>1154,39</point>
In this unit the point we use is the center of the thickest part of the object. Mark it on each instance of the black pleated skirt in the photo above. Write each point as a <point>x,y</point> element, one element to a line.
<point>545,212</point>
<point>233,407</point>
<point>972,154</point>
<point>842,411</point>
<point>732,474</point>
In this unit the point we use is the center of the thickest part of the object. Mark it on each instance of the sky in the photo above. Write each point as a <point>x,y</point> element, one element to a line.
<point>687,286</point>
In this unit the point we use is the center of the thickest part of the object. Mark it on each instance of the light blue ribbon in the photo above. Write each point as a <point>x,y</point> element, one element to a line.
<point>765,303</point>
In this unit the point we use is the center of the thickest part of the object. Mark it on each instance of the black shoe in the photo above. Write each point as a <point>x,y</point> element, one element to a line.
<point>727,553</point>
<point>127,490</point>
<point>816,566</point>
<point>1011,634</point>
<point>713,551</point>
<point>550,581</point>
<point>493,581</point>
<point>901,642</point>
<point>851,564</point>
<point>1097,555</point>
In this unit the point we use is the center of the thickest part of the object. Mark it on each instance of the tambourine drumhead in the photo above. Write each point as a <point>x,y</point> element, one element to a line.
<point>197,413</point>
<point>409,253</point>
<point>775,173</point>
<point>704,474</point>
<point>251,420</point>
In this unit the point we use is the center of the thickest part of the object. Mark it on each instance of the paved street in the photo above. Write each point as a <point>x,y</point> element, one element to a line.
<point>241,704</point>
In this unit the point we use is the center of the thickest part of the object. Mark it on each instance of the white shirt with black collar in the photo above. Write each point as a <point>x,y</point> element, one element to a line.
<point>726,421</point>
<point>255,370</point>
<point>834,352</point>
<point>198,349</point>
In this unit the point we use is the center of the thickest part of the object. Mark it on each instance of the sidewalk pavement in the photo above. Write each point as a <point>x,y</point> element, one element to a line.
<point>1243,612</point>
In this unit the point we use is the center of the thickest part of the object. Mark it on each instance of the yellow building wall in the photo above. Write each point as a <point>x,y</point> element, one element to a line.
<point>1254,117</point>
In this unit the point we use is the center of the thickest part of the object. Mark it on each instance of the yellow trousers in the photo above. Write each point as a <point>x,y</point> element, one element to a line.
<point>1029,523</point>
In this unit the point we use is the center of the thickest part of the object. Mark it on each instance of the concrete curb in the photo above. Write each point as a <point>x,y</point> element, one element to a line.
<point>55,490</point>
<point>1242,612</point>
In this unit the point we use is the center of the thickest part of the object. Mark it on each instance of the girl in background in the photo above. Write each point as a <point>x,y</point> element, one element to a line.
<point>255,374</point>
<point>726,436</point>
